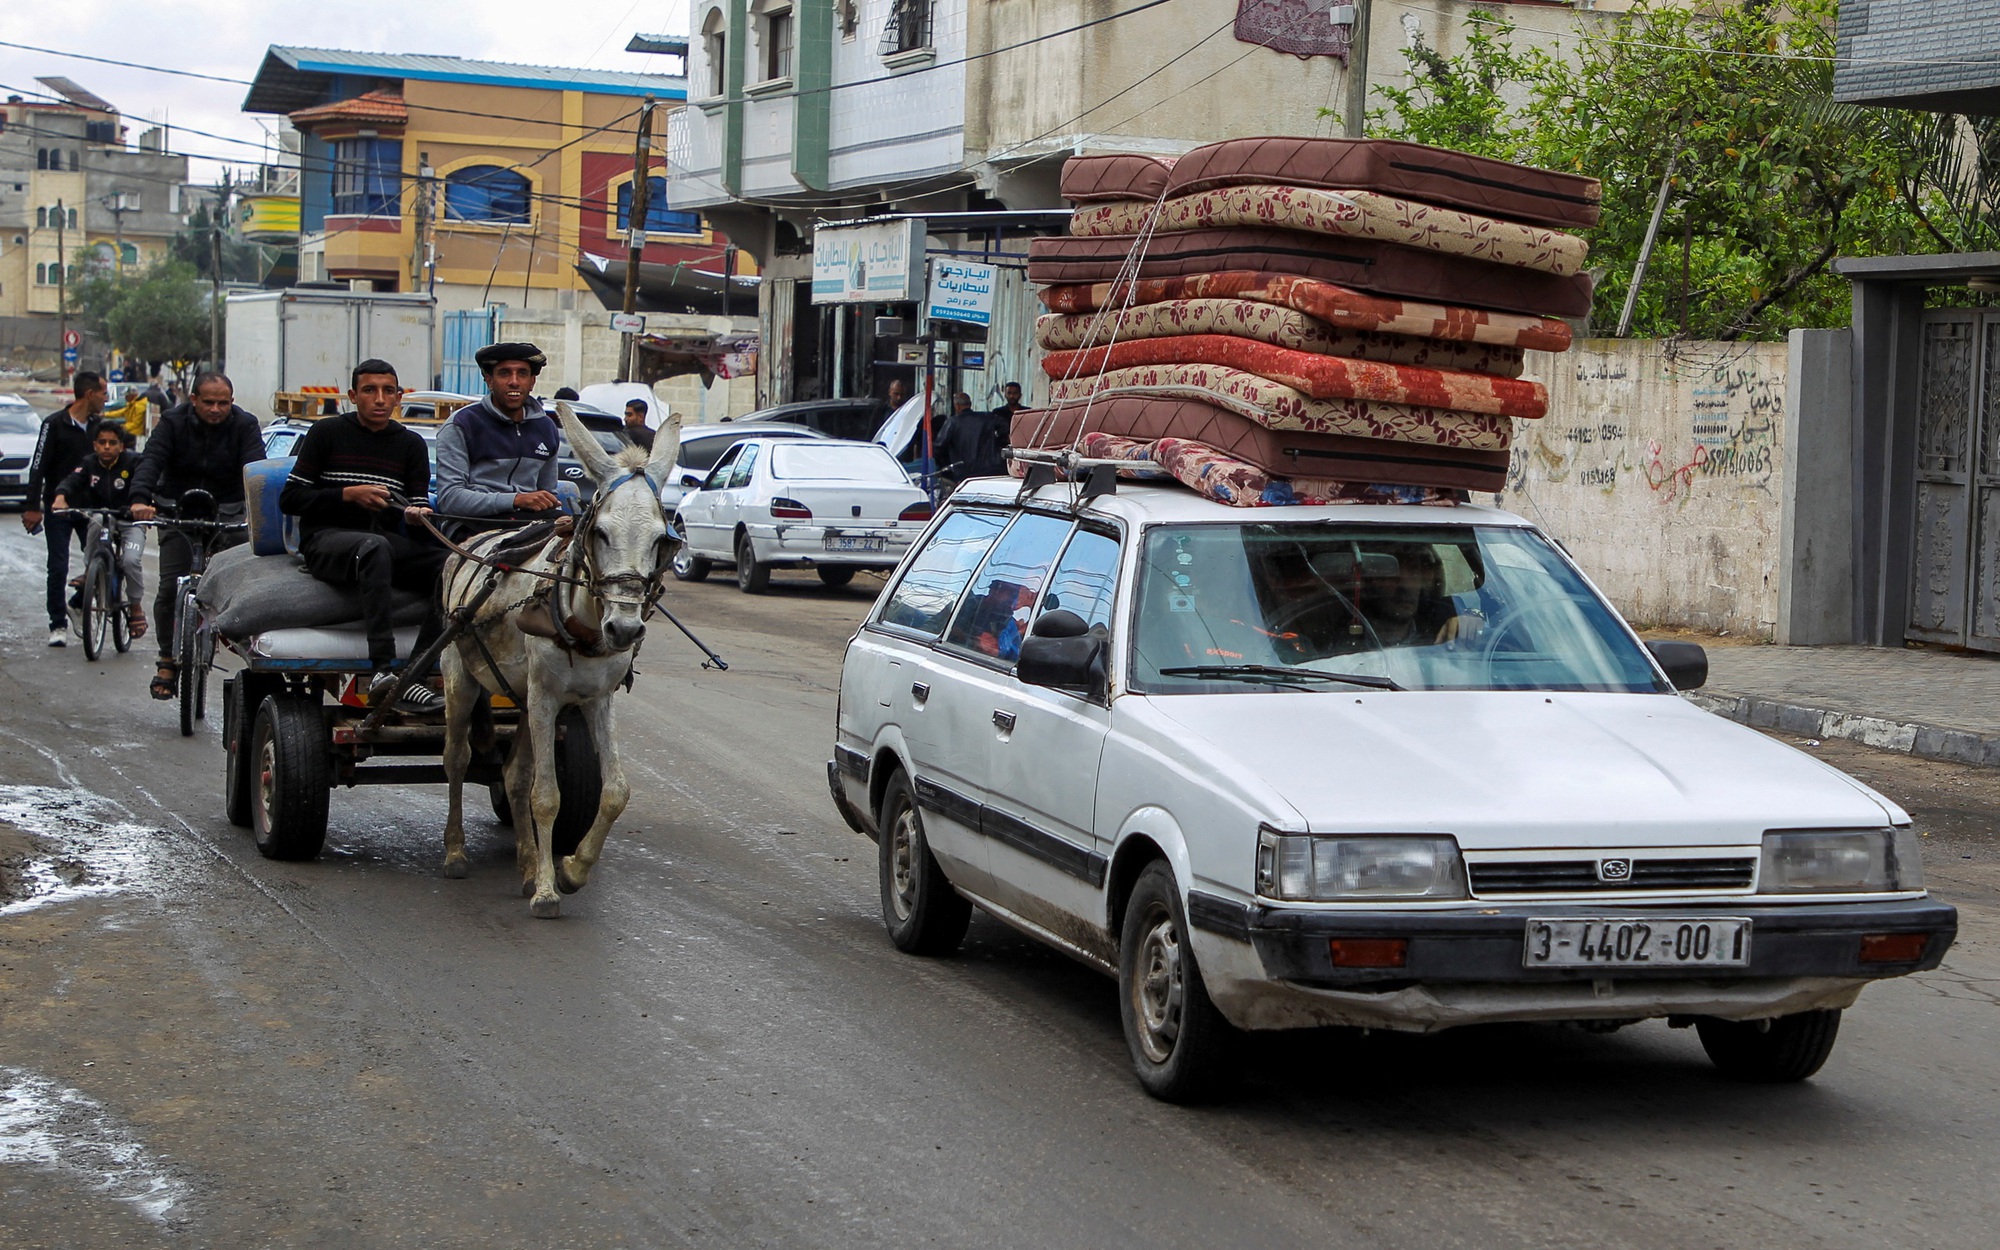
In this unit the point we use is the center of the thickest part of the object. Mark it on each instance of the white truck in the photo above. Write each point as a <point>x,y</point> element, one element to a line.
<point>291,350</point>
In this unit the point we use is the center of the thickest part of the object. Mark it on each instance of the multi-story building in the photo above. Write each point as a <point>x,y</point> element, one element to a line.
<point>69,183</point>
<point>478,181</point>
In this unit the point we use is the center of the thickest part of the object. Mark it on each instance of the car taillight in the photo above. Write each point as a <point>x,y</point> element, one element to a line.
<point>919,511</point>
<point>784,507</point>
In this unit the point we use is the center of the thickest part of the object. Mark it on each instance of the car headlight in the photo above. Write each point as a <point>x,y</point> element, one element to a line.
<point>1840,861</point>
<point>1305,868</point>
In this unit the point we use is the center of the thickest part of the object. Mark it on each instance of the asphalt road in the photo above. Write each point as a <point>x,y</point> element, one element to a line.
<point>716,1045</point>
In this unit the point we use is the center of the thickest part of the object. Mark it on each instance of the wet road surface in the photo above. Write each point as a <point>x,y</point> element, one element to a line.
<point>716,1045</point>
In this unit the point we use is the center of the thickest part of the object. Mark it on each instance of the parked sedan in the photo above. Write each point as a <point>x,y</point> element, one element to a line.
<point>20,425</point>
<point>830,505</point>
<point>703,446</point>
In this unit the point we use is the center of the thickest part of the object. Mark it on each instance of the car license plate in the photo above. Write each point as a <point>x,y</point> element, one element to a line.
<point>1654,942</point>
<point>855,542</point>
<point>10,479</point>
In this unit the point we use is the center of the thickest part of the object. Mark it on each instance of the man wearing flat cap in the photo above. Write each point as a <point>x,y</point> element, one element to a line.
<point>496,459</point>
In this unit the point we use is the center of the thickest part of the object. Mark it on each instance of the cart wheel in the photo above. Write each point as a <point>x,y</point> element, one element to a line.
<point>237,768</point>
<point>579,779</point>
<point>204,646</point>
<point>503,811</point>
<point>835,575</point>
<point>186,626</point>
<point>293,778</point>
<point>97,609</point>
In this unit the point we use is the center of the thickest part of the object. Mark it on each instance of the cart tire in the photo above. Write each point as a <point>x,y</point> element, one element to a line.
<point>237,772</point>
<point>836,574</point>
<point>503,811</point>
<point>579,779</point>
<point>204,645</point>
<point>97,607</point>
<point>293,778</point>
<point>186,626</point>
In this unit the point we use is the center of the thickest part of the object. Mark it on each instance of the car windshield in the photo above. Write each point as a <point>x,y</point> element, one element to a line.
<point>853,464</point>
<point>1334,607</point>
<point>18,419</point>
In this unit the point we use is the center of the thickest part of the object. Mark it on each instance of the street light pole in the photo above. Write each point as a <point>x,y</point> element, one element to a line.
<point>635,228</point>
<point>1354,116</point>
<point>62,292</point>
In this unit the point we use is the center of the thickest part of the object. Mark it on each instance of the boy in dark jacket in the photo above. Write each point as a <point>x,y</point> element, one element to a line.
<point>105,481</point>
<point>358,477</point>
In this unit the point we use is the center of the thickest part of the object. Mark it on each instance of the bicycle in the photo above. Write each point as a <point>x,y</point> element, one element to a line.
<point>194,641</point>
<point>100,607</point>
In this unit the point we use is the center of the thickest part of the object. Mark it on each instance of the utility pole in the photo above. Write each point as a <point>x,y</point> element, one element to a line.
<point>116,203</point>
<point>62,291</point>
<point>422,268</point>
<point>215,274</point>
<point>1354,116</point>
<point>635,227</point>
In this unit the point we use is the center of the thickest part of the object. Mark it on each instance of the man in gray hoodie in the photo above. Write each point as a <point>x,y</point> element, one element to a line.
<point>496,459</point>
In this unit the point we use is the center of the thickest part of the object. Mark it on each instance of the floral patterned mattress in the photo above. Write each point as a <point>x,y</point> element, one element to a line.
<point>1280,453</point>
<point>1341,307</point>
<point>1369,264</point>
<point>1316,375</point>
<point>1280,407</point>
<point>1216,475</point>
<point>1267,323</point>
<point>1344,214</point>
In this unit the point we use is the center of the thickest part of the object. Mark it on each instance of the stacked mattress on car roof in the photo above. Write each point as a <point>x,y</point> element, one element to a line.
<point>1286,319</point>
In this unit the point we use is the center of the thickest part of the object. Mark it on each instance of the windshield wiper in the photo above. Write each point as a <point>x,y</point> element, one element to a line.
<point>1274,674</point>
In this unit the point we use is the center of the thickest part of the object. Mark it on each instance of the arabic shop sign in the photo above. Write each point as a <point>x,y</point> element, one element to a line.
<point>961,290</point>
<point>868,264</point>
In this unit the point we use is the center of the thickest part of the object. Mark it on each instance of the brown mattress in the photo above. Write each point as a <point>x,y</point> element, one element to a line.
<point>1115,176</point>
<point>1385,268</point>
<point>1434,175</point>
<point>1281,453</point>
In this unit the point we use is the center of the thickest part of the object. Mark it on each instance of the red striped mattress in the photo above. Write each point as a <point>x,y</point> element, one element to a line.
<point>1280,453</point>
<point>1320,376</point>
<point>1384,268</point>
<point>1413,170</point>
<point>1341,307</point>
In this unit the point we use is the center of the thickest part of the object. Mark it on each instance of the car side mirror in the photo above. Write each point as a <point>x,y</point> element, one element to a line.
<point>1076,663</point>
<point>1684,663</point>
<point>1058,622</point>
<point>689,479</point>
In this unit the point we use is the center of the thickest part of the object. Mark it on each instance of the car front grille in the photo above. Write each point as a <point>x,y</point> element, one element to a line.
<point>1569,876</point>
<point>14,463</point>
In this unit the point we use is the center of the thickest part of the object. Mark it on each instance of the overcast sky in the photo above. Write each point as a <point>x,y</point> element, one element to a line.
<point>228,37</point>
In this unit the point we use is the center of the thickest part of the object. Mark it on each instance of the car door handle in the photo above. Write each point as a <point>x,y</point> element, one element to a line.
<point>1003,721</point>
<point>919,691</point>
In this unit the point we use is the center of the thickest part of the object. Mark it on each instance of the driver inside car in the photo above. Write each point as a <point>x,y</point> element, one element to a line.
<point>1410,607</point>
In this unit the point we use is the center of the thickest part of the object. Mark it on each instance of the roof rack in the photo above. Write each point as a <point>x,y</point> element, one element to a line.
<point>1095,475</point>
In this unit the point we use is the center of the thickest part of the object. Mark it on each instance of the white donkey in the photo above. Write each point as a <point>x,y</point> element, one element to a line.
<point>559,633</point>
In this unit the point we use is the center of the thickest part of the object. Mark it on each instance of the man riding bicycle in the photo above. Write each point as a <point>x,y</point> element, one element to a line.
<point>63,444</point>
<point>497,458</point>
<point>202,444</point>
<point>359,476</point>
<point>104,483</point>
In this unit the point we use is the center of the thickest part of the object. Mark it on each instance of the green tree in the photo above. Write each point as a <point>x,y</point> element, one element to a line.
<point>1770,180</point>
<point>164,315</point>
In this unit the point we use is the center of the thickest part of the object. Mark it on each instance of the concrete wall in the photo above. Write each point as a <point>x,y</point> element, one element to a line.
<point>1661,467</point>
<point>1816,553</point>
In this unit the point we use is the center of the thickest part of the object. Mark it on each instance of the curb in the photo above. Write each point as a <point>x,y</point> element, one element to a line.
<point>1959,746</point>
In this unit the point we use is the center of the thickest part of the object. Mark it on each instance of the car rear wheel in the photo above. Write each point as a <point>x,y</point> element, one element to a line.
<point>1179,1041</point>
<point>922,912</point>
<point>1789,1048</point>
<point>752,578</point>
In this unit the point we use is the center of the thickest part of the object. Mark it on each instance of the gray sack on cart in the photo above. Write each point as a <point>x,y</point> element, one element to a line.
<point>245,593</point>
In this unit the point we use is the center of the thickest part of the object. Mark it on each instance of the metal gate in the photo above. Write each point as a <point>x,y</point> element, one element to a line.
<point>466,330</point>
<point>1955,564</point>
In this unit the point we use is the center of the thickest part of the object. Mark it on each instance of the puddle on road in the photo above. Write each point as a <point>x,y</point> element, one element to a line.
<point>54,1128</point>
<point>77,847</point>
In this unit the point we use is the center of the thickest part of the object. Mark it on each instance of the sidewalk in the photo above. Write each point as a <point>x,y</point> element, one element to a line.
<point>1937,704</point>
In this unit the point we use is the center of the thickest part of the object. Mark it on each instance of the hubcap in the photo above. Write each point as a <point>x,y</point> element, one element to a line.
<point>902,863</point>
<point>1158,986</point>
<point>683,561</point>
<point>267,789</point>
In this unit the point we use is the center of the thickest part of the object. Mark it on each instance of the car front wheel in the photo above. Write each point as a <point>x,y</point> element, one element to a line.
<point>1789,1048</point>
<point>923,914</point>
<point>1179,1041</point>
<point>688,566</point>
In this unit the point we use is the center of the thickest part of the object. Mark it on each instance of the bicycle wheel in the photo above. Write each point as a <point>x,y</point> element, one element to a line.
<point>121,621</point>
<point>186,622</point>
<point>94,619</point>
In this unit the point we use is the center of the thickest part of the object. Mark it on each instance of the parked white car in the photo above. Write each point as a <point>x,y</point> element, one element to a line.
<point>1378,766</point>
<point>20,426</point>
<point>831,505</point>
<point>703,446</point>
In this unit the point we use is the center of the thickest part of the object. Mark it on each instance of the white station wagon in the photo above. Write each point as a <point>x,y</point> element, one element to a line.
<point>1383,766</point>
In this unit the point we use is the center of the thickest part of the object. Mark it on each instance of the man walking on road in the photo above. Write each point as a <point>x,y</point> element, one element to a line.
<point>970,444</point>
<point>202,444</point>
<point>359,476</point>
<point>496,459</point>
<point>64,444</point>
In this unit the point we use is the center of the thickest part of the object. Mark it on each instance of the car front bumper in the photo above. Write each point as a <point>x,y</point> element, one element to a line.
<point>1272,967</point>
